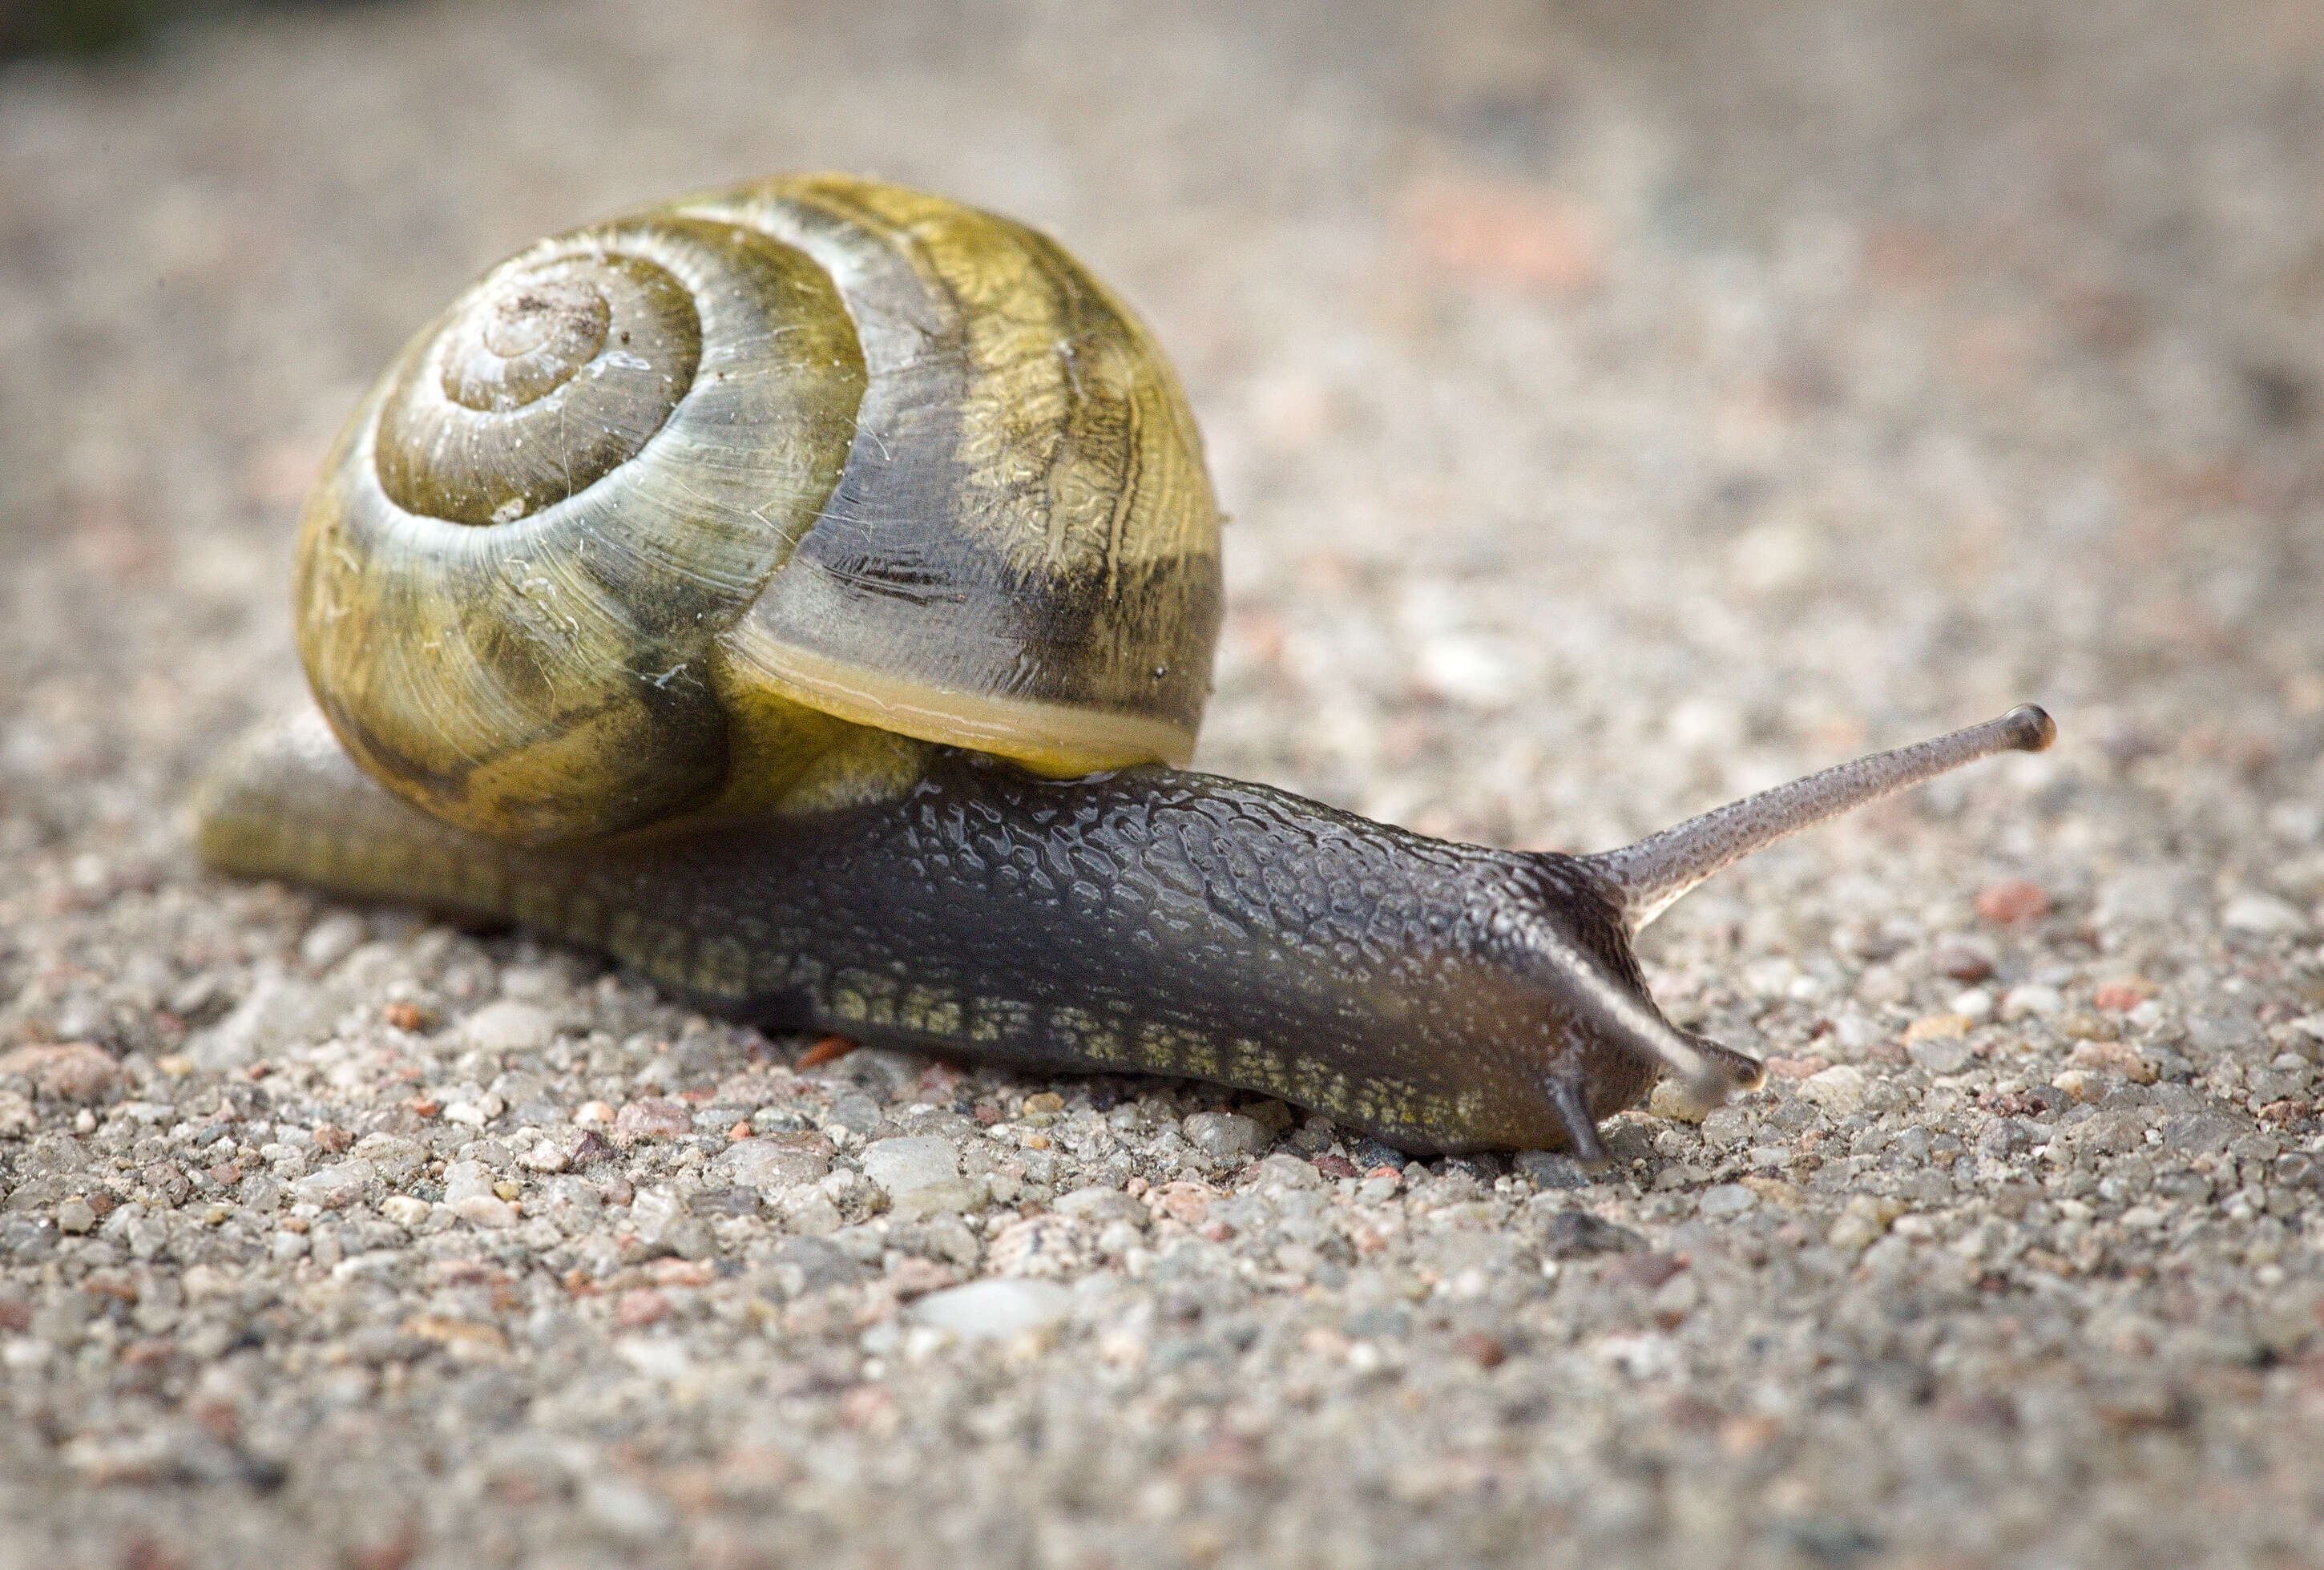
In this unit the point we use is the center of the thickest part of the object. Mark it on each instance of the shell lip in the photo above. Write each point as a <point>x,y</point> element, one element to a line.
<point>1054,739</point>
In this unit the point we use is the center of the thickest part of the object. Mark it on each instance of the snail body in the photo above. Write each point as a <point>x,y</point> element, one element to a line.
<point>805,592</point>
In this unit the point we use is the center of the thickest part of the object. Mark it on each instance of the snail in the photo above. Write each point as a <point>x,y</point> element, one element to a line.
<point>805,592</point>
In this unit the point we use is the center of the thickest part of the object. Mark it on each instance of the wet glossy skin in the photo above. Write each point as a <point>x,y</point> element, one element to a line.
<point>1149,920</point>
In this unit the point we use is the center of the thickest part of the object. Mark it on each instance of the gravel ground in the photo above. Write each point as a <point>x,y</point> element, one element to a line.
<point>1623,406</point>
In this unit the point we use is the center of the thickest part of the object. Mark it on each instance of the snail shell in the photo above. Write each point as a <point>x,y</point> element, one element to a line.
<point>721,505</point>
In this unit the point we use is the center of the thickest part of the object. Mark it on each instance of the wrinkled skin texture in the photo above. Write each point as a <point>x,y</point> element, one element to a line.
<point>1148,920</point>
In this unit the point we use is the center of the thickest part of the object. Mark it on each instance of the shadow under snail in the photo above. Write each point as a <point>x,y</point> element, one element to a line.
<point>805,592</point>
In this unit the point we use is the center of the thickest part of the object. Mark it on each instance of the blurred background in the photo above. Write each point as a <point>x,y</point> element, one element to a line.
<point>1672,389</point>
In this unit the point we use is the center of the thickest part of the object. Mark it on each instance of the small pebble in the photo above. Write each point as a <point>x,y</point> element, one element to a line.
<point>2122,993</point>
<point>2011,900</point>
<point>510,1027</point>
<point>331,940</point>
<point>1673,1100</point>
<point>651,1119</point>
<point>641,1307</point>
<point>1963,959</point>
<point>488,1210</point>
<point>1862,1220</point>
<point>336,1186</point>
<point>1485,1351</point>
<point>775,1162</point>
<point>624,1510</point>
<point>1940,1055</point>
<point>1839,1090</point>
<point>405,1210</point>
<point>945,1197</point>
<point>993,1310</point>
<point>1225,1135</point>
<point>2262,914</point>
<point>1098,1206</point>
<point>2031,1001</point>
<point>2113,1057</point>
<point>901,1165</point>
<point>2079,1083</point>
<point>74,1071</point>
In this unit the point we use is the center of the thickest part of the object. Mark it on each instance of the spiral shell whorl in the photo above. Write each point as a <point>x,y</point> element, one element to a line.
<point>538,383</point>
<point>735,502</point>
<point>507,613</point>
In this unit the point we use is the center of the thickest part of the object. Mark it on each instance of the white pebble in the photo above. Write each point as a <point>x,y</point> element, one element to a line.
<point>900,1166</point>
<point>510,1027</point>
<point>994,1310</point>
<point>331,940</point>
<point>1839,1090</point>
<point>486,1210</point>
<point>1468,669</point>
<point>405,1211</point>
<point>464,1180</point>
<point>2264,915</point>
<point>2032,999</point>
<point>332,1187</point>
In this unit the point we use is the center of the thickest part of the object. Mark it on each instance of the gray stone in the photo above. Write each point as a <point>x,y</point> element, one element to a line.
<point>773,1161</point>
<point>947,1197</point>
<point>396,1157</point>
<point>2200,1133</point>
<point>623,1509</point>
<point>331,940</point>
<point>337,1187</point>
<point>2220,1028</point>
<point>1941,1054</point>
<point>900,1166</point>
<point>1227,1136</point>
<point>279,1011</point>
<point>1289,1171</point>
<point>465,1180</point>
<point>808,1264</point>
<point>2147,896</point>
<point>1099,1205</point>
<point>857,1112</point>
<point>1839,1090</point>
<point>1573,1235</point>
<point>1551,1169</point>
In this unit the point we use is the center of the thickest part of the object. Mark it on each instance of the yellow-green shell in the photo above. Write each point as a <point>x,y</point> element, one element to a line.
<point>702,508</point>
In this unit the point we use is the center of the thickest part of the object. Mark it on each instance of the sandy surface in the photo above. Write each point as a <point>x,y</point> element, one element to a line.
<point>1621,407</point>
